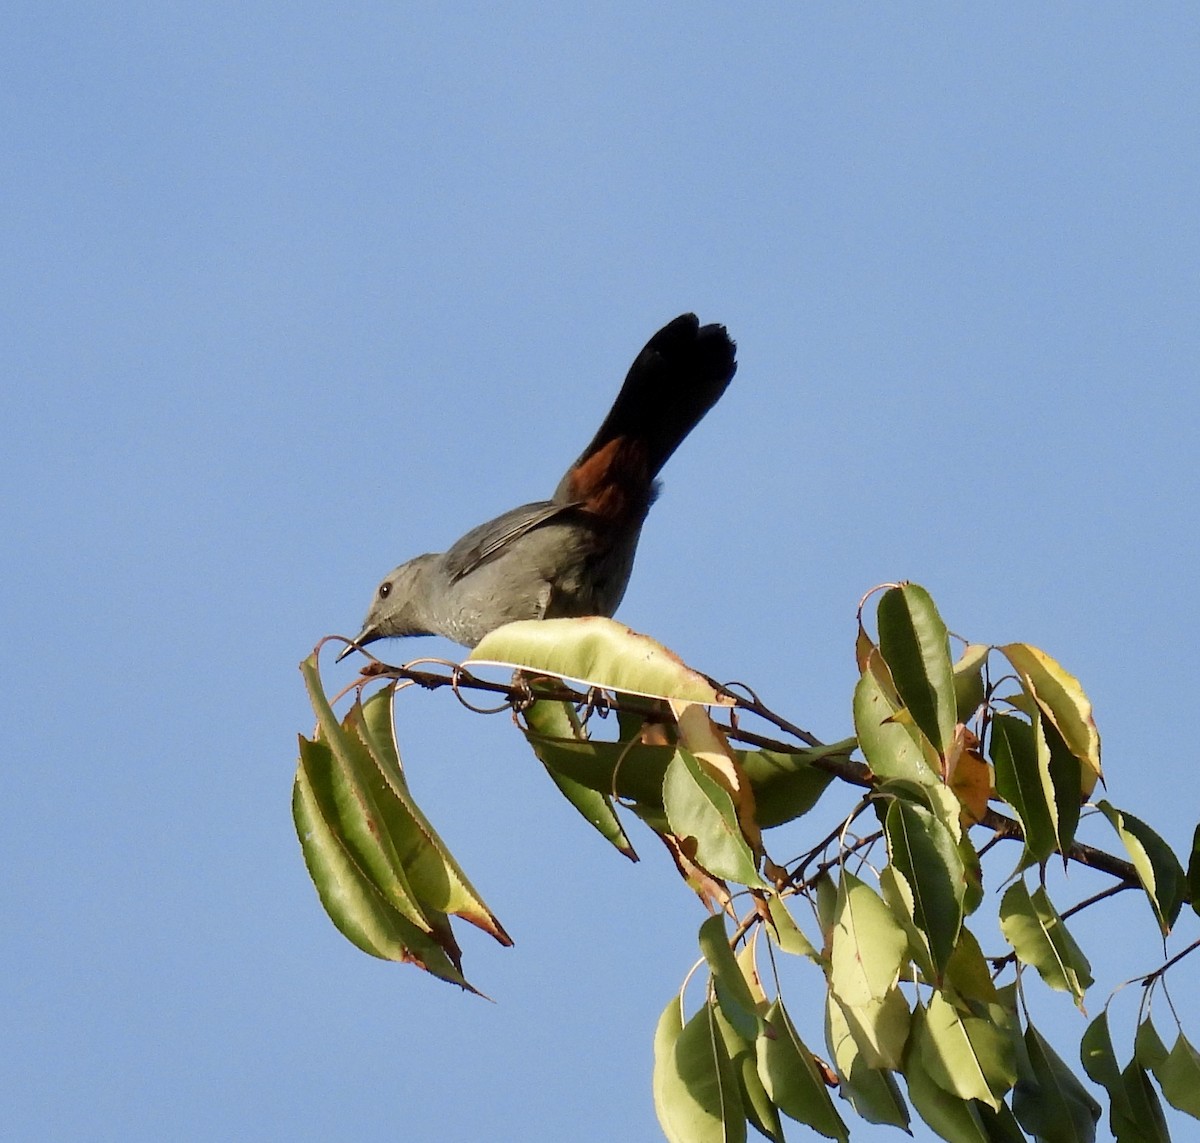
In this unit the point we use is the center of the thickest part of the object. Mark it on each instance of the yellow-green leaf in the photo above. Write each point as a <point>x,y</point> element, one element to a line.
<point>872,1091</point>
<point>1179,1075</point>
<point>700,809</point>
<point>899,897</point>
<point>597,652</point>
<point>350,898</point>
<point>786,933</point>
<point>790,1077</point>
<point>1062,700</point>
<point>954,1119</point>
<point>1066,777</point>
<point>880,1027</point>
<point>891,746</point>
<point>669,1094</point>
<point>966,1055</point>
<point>968,972</point>
<point>968,679</point>
<point>708,1103</point>
<point>733,993</point>
<point>1036,932</point>
<point>868,944</point>
<point>1158,868</point>
<point>374,816</point>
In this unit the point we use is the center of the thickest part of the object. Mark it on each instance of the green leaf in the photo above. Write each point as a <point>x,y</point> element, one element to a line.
<point>786,933</point>
<point>1148,1124</point>
<point>696,1093</point>
<point>872,1092</point>
<point>670,1096</point>
<point>972,875</point>
<point>352,900</point>
<point>699,808</point>
<point>899,897</point>
<point>891,747</point>
<point>999,1124</point>
<point>1049,1101</point>
<point>759,1108</point>
<point>925,852</point>
<point>353,794</point>
<point>1023,781</point>
<point>1036,932</point>
<point>1193,873</point>
<point>596,809</point>
<point>548,720</point>
<point>826,891</point>
<point>968,680</point>
<point>1062,700</point>
<point>1179,1077</point>
<point>965,1055</point>
<point>336,778</point>
<point>597,652</point>
<point>952,1118</point>
<point>968,972</point>
<point>789,1074</point>
<point>431,868</point>
<point>733,993</point>
<point>712,1107</point>
<point>914,642</point>
<point>880,1026</point>
<point>1066,777</point>
<point>993,1048</point>
<point>1100,1064</point>
<point>1158,868</point>
<point>379,730</point>
<point>787,785</point>
<point>1128,1106</point>
<point>1148,1048</point>
<point>380,820</point>
<point>868,945</point>
<point>628,770</point>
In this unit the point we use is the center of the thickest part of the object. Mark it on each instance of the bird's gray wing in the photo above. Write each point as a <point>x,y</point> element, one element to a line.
<point>488,540</point>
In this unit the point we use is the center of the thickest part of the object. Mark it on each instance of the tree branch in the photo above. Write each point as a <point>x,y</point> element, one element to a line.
<point>519,694</point>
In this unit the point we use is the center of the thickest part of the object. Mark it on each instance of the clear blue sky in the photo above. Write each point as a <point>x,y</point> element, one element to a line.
<point>293,292</point>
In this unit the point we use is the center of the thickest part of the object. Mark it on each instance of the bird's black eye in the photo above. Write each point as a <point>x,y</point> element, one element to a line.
<point>385,589</point>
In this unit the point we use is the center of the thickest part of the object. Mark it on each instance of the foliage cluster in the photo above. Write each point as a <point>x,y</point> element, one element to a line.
<point>886,908</point>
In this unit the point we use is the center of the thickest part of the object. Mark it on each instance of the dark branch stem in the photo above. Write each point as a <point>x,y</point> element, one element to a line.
<point>1151,977</point>
<point>1111,891</point>
<point>755,706</point>
<point>1006,827</point>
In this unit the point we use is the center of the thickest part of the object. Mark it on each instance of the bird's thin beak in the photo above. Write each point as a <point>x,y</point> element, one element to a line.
<point>365,636</point>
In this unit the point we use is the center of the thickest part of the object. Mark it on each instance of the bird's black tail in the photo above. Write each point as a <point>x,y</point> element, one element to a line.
<point>676,379</point>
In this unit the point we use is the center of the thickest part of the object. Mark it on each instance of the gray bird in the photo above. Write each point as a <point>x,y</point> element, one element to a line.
<point>572,554</point>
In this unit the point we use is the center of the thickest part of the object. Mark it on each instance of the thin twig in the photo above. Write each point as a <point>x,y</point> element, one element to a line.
<point>1111,891</point>
<point>1150,977</point>
<point>755,706</point>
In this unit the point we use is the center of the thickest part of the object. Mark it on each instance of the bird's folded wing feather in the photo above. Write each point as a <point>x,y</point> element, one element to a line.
<point>488,540</point>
